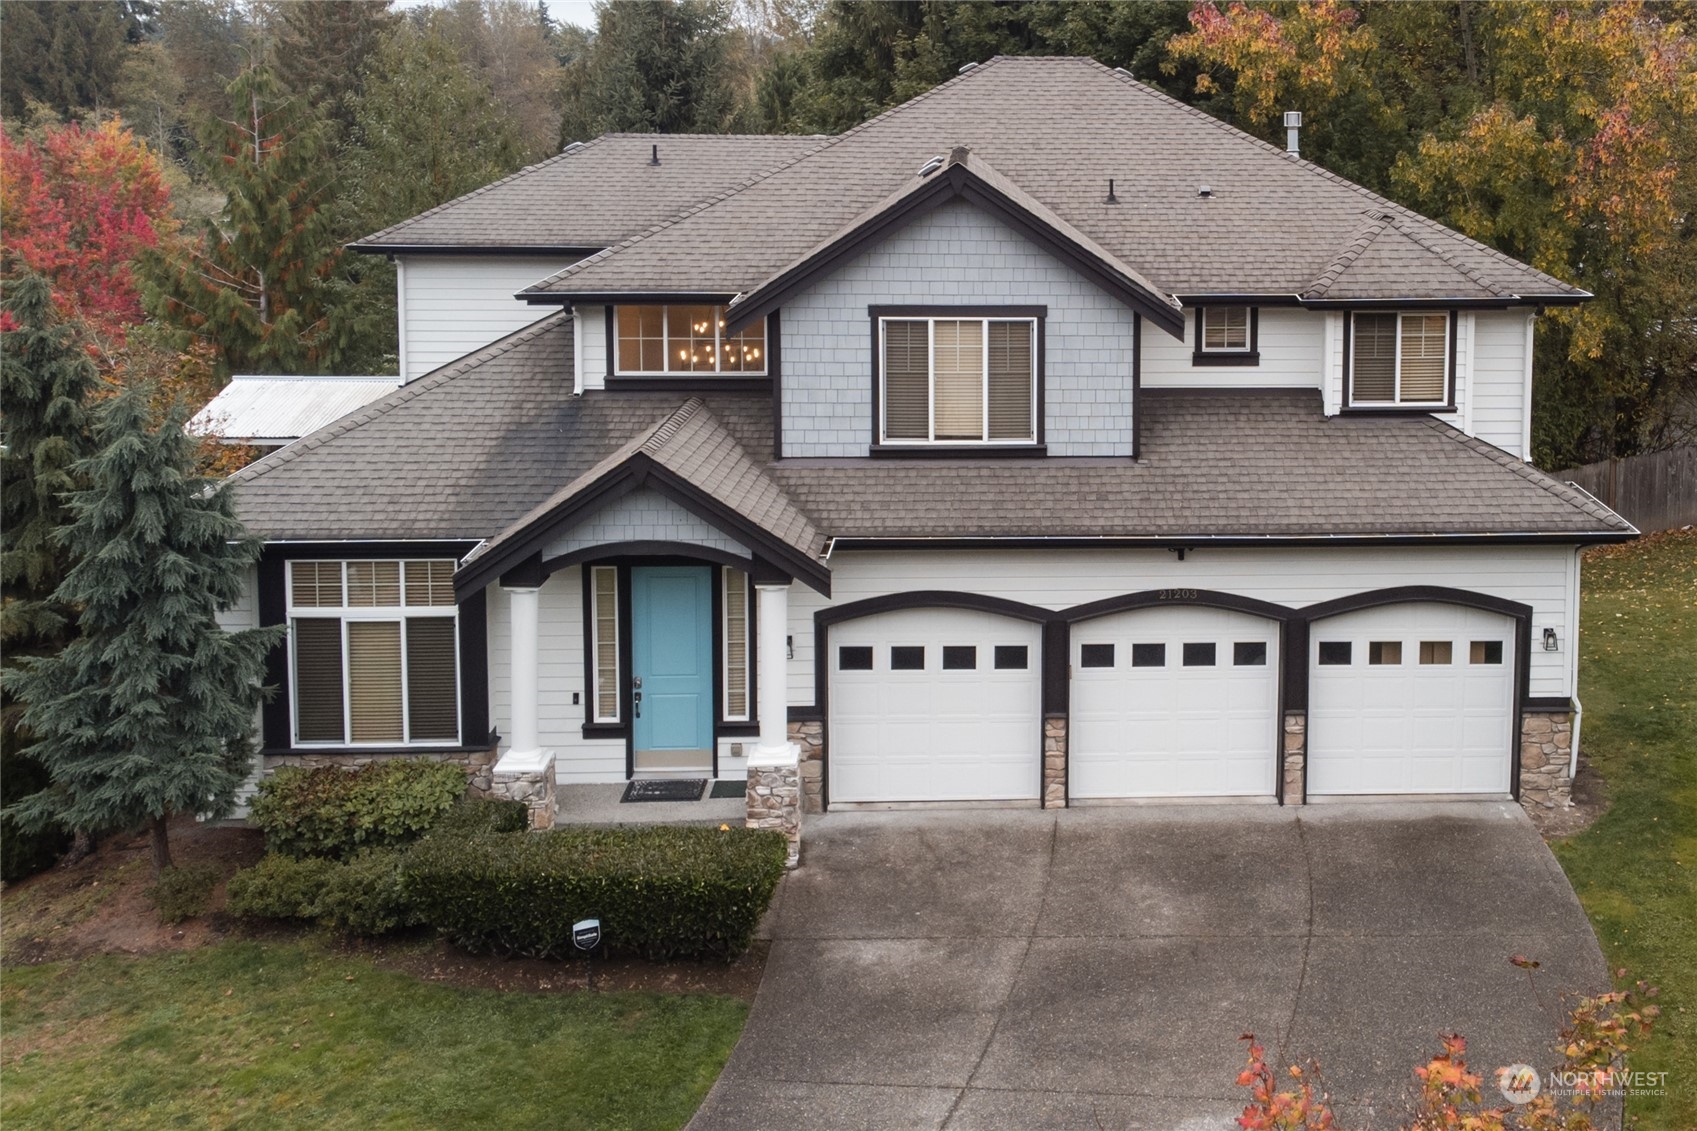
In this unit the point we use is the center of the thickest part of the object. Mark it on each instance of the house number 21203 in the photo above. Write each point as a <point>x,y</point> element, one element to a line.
<point>1176,594</point>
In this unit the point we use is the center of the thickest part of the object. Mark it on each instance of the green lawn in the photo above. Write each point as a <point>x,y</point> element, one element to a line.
<point>1636,868</point>
<point>292,1035</point>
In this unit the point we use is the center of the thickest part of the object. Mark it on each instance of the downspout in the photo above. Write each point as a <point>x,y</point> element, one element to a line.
<point>1578,707</point>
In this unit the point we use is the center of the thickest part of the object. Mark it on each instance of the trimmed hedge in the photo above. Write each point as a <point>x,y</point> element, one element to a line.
<point>476,815</point>
<point>660,892</point>
<point>359,896</point>
<point>330,811</point>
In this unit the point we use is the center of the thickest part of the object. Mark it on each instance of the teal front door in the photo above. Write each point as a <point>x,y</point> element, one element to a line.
<point>672,667</point>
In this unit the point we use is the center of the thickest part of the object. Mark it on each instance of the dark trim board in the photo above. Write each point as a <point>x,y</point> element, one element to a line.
<point>700,383</point>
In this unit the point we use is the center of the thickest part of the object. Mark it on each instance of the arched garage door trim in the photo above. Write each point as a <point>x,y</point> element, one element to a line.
<point>1293,641</point>
<point>1053,658</point>
<point>1520,613</point>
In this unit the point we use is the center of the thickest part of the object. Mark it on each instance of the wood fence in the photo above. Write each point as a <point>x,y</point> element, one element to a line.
<point>1653,492</point>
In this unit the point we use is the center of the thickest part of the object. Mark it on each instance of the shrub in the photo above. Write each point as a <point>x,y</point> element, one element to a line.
<point>25,853</point>
<point>279,887</point>
<point>183,893</point>
<point>659,892</point>
<point>334,812</point>
<point>476,815</point>
<point>362,896</point>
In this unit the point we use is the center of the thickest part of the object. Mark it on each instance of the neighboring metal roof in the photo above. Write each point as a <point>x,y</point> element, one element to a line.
<point>470,450</point>
<point>596,194</point>
<point>1272,223</point>
<point>268,410</point>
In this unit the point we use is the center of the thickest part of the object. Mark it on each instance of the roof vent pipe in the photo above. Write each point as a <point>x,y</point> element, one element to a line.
<point>573,147</point>
<point>1293,127</point>
<point>1112,199</point>
<point>931,166</point>
<point>654,155</point>
<point>965,67</point>
<point>1204,191</point>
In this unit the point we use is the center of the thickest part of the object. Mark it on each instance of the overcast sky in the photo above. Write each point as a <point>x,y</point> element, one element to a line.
<point>579,12</point>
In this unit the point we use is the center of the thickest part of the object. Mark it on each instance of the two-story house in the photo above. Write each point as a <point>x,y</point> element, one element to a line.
<point>1041,440</point>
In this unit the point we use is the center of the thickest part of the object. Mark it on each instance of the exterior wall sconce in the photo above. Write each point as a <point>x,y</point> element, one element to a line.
<point>789,647</point>
<point>1550,643</point>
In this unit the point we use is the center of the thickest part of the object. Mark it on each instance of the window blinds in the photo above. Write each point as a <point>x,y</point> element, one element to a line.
<point>432,691</point>
<point>736,644</point>
<point>318,676</point>
<point>604,581</point>
<point>907,380</point>
<point>1010,381</point>
<point>1425,351</point>
<point>957,376</point>
<point>1372,374</point>
<point>374,682</point>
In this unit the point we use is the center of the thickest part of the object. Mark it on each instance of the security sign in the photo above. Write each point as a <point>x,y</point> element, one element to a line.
<point>586,934</point>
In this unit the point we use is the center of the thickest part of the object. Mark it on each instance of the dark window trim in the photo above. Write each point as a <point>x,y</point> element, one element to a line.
<point>472,646</point>
<point>693,382</point>
<point>1376,408</point>
<point>1250,357</point>
<point>931,449</point>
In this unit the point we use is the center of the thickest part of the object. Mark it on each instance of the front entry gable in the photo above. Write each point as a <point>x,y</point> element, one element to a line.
<point>684,485</point>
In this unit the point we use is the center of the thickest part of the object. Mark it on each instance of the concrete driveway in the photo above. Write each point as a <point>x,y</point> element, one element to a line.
<point>1092,968</point>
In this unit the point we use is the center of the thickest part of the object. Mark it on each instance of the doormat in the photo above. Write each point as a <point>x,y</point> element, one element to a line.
<point>665,789</point>
<point>733,788</point>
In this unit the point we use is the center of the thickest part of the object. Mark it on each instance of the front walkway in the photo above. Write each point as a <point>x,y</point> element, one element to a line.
<point>599,804</point>
<point>1093,968</point>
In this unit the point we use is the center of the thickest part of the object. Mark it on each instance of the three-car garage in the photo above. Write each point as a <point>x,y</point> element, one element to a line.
<point>1172,695</point>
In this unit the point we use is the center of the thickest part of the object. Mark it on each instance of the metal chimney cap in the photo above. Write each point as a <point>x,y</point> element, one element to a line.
<point>1293,119</point>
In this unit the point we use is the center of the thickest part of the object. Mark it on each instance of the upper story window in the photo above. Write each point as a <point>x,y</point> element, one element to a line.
<point>1399,359</point>
<point>1226,335</point>
<point>664,341</point>
<point>958,380</point>
<point>373,652</point>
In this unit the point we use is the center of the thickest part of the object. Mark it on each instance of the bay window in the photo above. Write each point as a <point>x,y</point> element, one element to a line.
<point>958,380</point>
<point>373,651</point>
<point>668,341</point>
<point>1399,359</point>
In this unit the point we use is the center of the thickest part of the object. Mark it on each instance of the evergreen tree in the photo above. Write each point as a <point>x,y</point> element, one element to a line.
<point>262,286</point>
<point>46,376</point>
<point>65,54</point>
<point>149,712</point>
<point>657,66</point>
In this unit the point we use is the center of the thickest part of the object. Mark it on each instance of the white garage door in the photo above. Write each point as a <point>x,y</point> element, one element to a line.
<point>935,705</point>
<point>1414,698</point>
<point>1174,702</point>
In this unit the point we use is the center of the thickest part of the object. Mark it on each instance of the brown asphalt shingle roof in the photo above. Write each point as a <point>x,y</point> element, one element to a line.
<point>468,451</point>
<point>1060,128</point>
<point>598,194</point>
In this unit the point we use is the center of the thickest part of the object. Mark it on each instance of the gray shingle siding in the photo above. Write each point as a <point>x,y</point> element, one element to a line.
<point>641,516</point>
<point>956,255</point>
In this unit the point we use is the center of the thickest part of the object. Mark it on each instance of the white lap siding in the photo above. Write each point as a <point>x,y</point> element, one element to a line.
<point>1289,339</point>
<point>1544,577</point>
<point>452,305</point>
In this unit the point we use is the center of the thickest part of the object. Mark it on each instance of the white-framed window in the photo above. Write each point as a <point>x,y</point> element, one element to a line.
<point>1224,329</point>
<point>958,380</point>
<point>1399,358</point>
<point>604,641</point>
<point>373,653</point>
<point>735,635</point>
<point>667,341</point>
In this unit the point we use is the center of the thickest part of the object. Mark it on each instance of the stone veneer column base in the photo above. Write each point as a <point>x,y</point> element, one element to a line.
<point>1546,750</point>
<point>1296,756</point>
<point>809,737</point>
<point>530,781</point>
<point>774,802</point>
<point>1055,762</point>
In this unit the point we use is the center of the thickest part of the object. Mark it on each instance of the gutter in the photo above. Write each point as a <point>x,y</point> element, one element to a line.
<point>1192,541</point>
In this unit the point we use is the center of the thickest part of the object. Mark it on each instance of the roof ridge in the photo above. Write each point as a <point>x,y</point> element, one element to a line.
<point>1448,257</point>
<point>693,134</point>
<point>668,428</point>
<point>709,202</point>
<point>1580,500</point>
<point>409,391</point>
<point>1383,201</point>
<point>1353,250</point>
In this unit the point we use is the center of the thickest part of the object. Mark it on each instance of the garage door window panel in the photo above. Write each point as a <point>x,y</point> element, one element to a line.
<point>1199,655</point>
<point>1096,655</point>
<point>1384,652</point>
<point>1012,657</point>
<point>1148,655</point>
<point>1486,652</point>
<point>854,658</point>
<point>907,658</point>
<point>1434,652</point>
<point>1336,652</point>
<point>1249,653</point>
<point>958,381</point>
<point>960,658</point>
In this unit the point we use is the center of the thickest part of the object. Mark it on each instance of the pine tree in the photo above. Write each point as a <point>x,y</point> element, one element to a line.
<point>46,376</point>
<point>262,286</point>
<point>149,712</point>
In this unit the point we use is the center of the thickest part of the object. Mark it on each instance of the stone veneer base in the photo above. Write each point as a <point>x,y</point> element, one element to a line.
<point>1295,756</point>
<point>775,801</point>
<point>1055,762</point>
<point>1546,750</point>
<point>533,787</point>
<point>479,765</point>
<point>809,737</point>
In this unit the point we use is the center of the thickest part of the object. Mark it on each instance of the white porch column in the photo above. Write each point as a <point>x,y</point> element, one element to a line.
<point>526,607</point>
<point>773,617</point>
<point>525,773</point>
<point>774,767</point>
